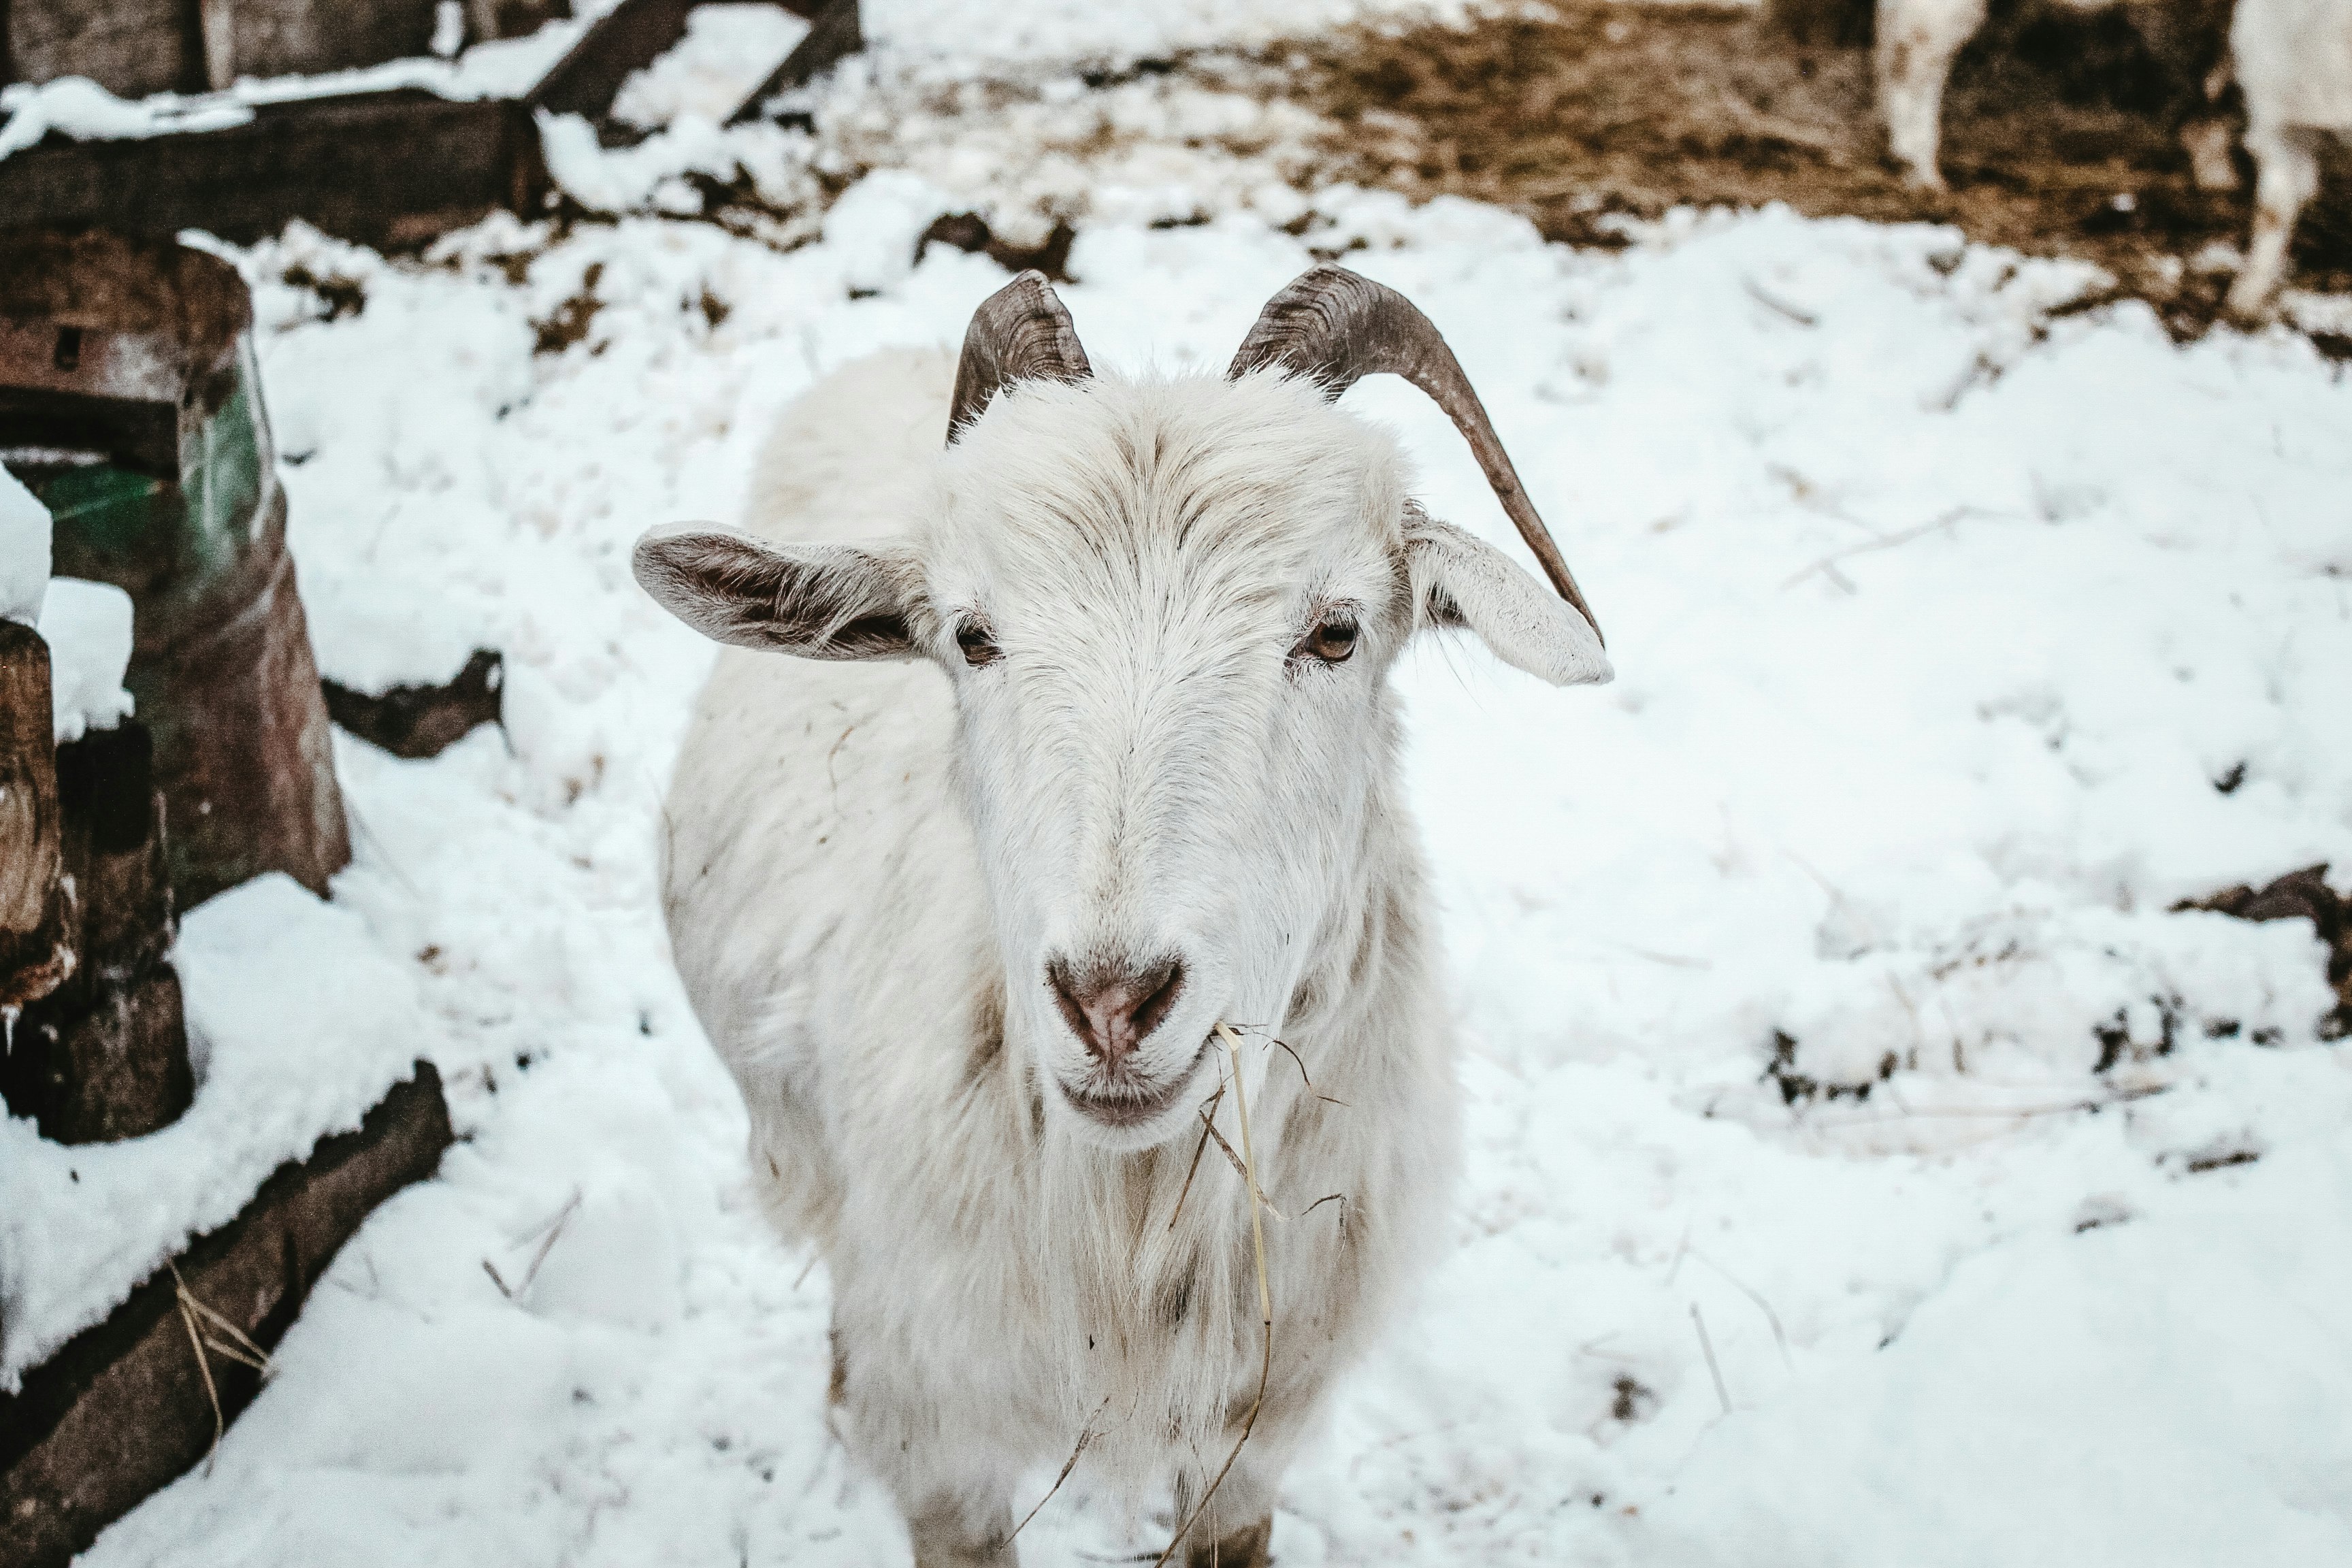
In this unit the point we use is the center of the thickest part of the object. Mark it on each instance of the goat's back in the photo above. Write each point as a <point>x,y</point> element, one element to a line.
<point>845,457</point>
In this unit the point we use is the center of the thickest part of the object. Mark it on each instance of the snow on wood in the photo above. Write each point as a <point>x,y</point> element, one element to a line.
<point>88,628</point>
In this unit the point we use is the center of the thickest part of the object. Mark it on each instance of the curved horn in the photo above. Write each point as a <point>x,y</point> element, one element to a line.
<point>1335,327</point>
<point>1020,332</point>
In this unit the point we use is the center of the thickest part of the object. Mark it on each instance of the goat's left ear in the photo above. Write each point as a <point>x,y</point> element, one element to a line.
<point>1462,581</point>
<point>818,601</point>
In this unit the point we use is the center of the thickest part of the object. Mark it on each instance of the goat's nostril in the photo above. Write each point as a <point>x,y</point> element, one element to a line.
<point>1113,1007</point>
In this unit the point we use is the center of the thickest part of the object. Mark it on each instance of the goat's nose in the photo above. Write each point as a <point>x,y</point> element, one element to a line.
<point>1112,1005</point>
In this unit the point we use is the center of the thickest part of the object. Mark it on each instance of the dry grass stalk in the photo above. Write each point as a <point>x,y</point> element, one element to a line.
<point>1714,1371</point>
<point>553,1230</point>
<point>1241,1167</point>
<point>1085,1436</point>
<point>1207,1127</point>
<point>237,1347</point>
<point>1265,1298</point>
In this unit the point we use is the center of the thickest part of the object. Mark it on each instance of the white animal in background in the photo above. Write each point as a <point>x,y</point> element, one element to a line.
<point>1115,764</point>
<point>1918,39</point>
<point>2293,60</point>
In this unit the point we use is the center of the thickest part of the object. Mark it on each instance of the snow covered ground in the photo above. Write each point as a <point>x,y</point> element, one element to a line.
<point>1864,1168</point>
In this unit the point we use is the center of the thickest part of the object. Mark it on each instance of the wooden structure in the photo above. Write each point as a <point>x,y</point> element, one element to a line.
<point>127,1405</point>
<point>104,1053</point>
<point>133,48</point>
<point>389,169</point>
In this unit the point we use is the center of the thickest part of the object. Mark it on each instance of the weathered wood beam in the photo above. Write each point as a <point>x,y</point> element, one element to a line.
<point>835,34</point>
<point>130,47</point>
<point>35,956</point>
<point>386,169</point>
<point>419,721</point>
<point>123,1408</point>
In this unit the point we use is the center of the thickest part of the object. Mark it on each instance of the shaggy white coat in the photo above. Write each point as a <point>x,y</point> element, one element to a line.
<point>869,861</point>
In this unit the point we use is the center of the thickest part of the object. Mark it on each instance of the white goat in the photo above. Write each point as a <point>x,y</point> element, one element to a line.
<point>962,921</point>
<point>2293,60</point>
<point>1918,39</point>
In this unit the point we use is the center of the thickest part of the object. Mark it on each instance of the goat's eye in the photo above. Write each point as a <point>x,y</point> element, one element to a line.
<point>978,646</point>
<point>1332,641</point>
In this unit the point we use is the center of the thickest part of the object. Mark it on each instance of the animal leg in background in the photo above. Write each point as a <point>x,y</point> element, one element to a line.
<point>2287,164</point>
<point>1917,40</point>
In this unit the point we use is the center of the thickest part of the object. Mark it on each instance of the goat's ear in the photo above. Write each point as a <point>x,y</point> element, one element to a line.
<point>819,601</point>
<point>1462,581</point>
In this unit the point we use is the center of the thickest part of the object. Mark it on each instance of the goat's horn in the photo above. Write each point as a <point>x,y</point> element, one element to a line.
<point>1020,332</point>
<point>1335,327</point>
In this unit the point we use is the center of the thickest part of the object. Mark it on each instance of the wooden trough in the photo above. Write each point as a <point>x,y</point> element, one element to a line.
<point>389,169</point>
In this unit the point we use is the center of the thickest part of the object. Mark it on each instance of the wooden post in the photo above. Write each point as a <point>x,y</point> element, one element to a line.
<point>35,956</point>
<point>105,1055</point>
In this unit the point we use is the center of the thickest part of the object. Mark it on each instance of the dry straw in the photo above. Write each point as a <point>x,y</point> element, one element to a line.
<point>237,1347</point>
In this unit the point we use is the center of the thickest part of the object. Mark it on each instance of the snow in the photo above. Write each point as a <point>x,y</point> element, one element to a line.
<point>24,550</point>
<point>1867,1165</point>
<point>726,53</point>
<point>88,628</point>
<point>86,625</point>
<point>297,1023</point>
<point>1938,621</point>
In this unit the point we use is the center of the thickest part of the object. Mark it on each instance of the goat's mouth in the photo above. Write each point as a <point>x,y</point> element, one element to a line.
<point>1127,1107</point>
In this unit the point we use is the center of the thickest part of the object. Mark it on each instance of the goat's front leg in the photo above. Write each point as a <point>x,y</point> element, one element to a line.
<point>2287,172</point>
<point>951,1486</point>
<point>1917,42</point>
<point>1237,1529</point>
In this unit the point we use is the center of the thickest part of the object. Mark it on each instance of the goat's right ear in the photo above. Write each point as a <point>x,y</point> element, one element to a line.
<point>818,601</point>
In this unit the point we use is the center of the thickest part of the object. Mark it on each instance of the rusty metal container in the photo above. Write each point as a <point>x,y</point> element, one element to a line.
<point>130,404</point>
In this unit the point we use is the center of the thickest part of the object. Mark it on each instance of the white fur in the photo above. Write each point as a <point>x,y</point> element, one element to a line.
<point>868,863</point>
<point>2294,58</point>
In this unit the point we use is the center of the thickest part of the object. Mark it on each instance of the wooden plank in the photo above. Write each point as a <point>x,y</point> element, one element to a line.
<point>35,956</point>
<point>122,1409</point>
<point>833,36</point>
<point>304,37</point>
<point>419,721</point>
<point>624,40</point>
<point>511,18</point>
<point>385,168</point>
<point>130,47</point>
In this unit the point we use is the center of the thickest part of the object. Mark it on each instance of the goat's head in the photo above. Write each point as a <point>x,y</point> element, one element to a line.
<point>1168,609</point>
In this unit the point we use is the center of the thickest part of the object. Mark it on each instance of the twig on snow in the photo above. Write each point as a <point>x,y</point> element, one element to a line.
<point>1706,1344</point>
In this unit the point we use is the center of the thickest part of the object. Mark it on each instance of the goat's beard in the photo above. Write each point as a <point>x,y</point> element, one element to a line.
<point>1150,1313</point>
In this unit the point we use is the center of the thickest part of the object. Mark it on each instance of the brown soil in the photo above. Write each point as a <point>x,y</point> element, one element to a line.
<point>2060,138</point>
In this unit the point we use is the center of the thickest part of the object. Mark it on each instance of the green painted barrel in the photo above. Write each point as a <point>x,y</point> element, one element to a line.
<point>130,404</point>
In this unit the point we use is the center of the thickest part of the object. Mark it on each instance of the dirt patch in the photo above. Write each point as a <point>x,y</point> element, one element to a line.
<point>2059,137</point>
